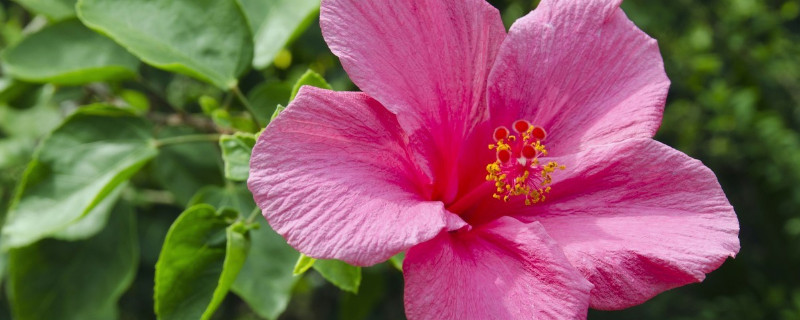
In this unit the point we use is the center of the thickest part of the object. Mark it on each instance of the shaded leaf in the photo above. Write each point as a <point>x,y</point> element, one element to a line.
<point>274,23</point>
<point>74,169</point>
<point>266,280</point>
<point>54,279</point>
<point>164,33</point>
<point>68,53</point>
<point>234,197</point>
<point>186,167</point>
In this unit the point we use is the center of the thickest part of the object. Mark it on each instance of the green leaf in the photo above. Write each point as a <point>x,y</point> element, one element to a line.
<point>68,53</point>
<point>275,114</point>
<point>94,221</point>
<point>236,151</point>
<point>340,274</point>
<point>74,169</point>
<point>53,9</point>
<point>235,255</point>
<point>266,280</point>
<point>266,96</point>
<point>397,260</point>
<point>206,39</point>
<point>310,78</point>
<point>54,279</point>
<point>198,262</point>
<point>185,168</point>
<point>304,263</point>
<point>235,197</point>
<point>275,23</point>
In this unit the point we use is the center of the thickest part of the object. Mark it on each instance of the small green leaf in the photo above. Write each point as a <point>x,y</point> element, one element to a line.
<point>55,279</point>
<point>266,280</point>
<point>208,104</point>
<point>302,265</point>
<point>136,101</point>
<point>275,23</point>
<point>69,53</point>
<point>206,39</point>
<point>198,263</point>
<point>53,9</point>
<point>278,110</point>
<point>236,151</point>
<point>397,260</point>
<point>310,78</point>
<point>74,169</point>
<point>340,274</point>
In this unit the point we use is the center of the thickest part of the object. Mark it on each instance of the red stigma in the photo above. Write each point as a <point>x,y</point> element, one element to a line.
<point>528,151</point>
<point>503,155</point>
<point>539,133</point>
<point>500,133</point>
<point>521,126</point>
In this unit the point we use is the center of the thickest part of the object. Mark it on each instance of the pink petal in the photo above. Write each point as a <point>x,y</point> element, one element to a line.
<point>581,70</point>
<point>503,270</point>
<point>333,174</point>
<point>427,61</point>
<point>638,218</point>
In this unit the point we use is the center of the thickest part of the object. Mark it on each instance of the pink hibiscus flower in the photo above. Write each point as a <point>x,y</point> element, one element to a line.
<point>517,170</point>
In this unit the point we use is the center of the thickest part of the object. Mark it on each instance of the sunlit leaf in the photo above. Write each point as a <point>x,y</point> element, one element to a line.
<point>74,169</point>
<point>68,53</point>
<point>206,39</point>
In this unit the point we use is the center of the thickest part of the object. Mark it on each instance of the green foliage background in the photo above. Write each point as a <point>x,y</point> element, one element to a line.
<point>734,104</point>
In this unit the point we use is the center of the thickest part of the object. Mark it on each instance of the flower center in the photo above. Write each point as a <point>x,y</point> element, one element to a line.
<point>517,170</point>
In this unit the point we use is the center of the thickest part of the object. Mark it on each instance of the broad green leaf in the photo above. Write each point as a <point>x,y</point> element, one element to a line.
<point>94,221</point>
<point>196,267</point>
<point>236,151</point>
<point>74,169</point>
<point>206,39</point>
<point>55,279</point>
<point>235,197</point>
<point>310,78</point>
<point>185,168</point>
<point>68,53</point>
<point>397,260</point>
<point>302,265</point>
<point>340,274</point>
<point>266,280</point>
<point>275,23</point>
<point>53,9</point>
<point>36,121</point>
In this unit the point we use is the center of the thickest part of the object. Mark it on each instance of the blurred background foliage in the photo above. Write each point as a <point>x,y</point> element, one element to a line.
<point>734,104</point>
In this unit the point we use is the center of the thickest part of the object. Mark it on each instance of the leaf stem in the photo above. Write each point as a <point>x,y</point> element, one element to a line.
<point>247,105</point>
<point>256,211</point>
<point>192,138</point>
